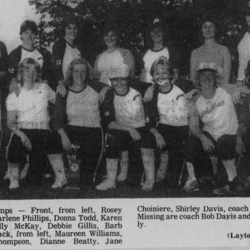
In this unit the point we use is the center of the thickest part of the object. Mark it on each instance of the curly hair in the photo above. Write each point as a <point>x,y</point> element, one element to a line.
<point>69,77</point>
<point>25,62</point>
<point>214,21</point>
<point>161,61</point>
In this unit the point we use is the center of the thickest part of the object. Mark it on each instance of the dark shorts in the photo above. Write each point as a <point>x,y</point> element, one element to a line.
<point>224,150</point>
<point>174,137</point>
<point>90,142</point>
<point>118,141</point>
<point>89,139</point>
<point>43,142</point>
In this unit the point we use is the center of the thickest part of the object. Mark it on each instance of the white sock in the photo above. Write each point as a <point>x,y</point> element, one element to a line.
<point>190,168</point>
<point>230,169</point>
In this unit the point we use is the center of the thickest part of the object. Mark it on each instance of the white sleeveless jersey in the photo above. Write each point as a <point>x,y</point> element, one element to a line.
<point>109,61</point>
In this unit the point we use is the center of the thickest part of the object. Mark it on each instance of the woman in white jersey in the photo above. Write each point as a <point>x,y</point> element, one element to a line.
<point>114,56</point>
<point>28,118</point>
<point>65,50</point>
<point>28,33</point>
<point>158,47</point>
<point>77,118</point>
<point>167,119</point>
<point>215,108</point>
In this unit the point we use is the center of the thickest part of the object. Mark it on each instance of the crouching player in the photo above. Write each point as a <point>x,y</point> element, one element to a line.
<point>28,118</point>
<point>215,108</point>
<point>124,117</point>
<point>167,117</point>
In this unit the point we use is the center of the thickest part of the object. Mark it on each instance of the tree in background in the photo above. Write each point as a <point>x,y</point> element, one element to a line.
<point>182,19</point>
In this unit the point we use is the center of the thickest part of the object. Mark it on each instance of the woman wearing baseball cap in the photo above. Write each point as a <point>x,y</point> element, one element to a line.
<point>215,108</point>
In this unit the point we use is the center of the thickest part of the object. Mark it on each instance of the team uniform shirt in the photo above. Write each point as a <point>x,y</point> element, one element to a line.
<point>149,59</point>
<point>35,54</point>
<point>70,54</point>
<point>129,109</point>
<point>217,114</point>
<point>82,108</point>
<point>244,55</point>
<point>108,61</point>
<point>18,55</point>
<point>169,108</point>
<point>173,108</point>
<point>32,106</point>
<point>78,108</point>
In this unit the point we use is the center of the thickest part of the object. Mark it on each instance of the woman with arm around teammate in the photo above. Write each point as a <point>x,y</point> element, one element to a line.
<point>77,118</point>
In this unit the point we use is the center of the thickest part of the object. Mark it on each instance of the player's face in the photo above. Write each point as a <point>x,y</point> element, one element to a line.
<point>29,73</point>
<point>28,37</point>
<point>207,80</point>
<point>247,18</point>
<point>79,74</point>
<point>71,32</point>
<point>110,39</point>
<point>156,35</point>
<point>161,75</point>
<point>208,30</point>
<point>120,84</point>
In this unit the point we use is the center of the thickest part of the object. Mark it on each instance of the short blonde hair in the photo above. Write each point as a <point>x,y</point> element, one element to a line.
<point>161,61</point>
<point>23,64</point>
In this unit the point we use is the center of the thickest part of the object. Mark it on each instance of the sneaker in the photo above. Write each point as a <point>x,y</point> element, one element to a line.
<point>191,185</point>
<point>106,185</point>
<point>160,176</point>
<point>14,182</point>
<point>7,176</point>
<point>242,186</point>
<point>206,182</point>
<point>59,183</point>
<point>147,186</point>
<point>122,177</point>
<point>226,190</point>
<point>14,185</point>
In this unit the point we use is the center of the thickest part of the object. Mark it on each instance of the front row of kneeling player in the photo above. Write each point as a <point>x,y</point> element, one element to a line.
<point>162,123</point>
